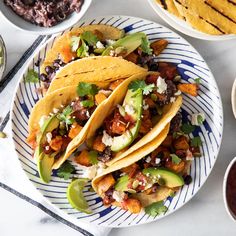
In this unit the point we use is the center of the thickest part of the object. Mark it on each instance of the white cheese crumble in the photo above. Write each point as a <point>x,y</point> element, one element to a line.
<point>118,196</point>
<point>157,161</point>
<point>87,113</point>
<point>107,139</point>
<point>47,148</point>
<point>148,159</point>
<point>145,106</point>
<point>172,99</point>
<point>177,93</point>
<point>197,119</point>
<point>112,53</point>
<point>161,85</point>
<point>99,45</point>
<point>42,121</point>
<point>110,42</point>
<point>49,137</point>
<point>129,109</point>
<point>189,155</point>
<point>62,106</point>
<point>100,167</point>
<point>107,93</point>
<point>90,172</point>
<point>55,110</point>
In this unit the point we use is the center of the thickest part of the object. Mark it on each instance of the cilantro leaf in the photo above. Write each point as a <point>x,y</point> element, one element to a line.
<point>93,157</point>
<point>89,37</point>
<point>187,128</point>
<point>84,89</point>
<point>175,159</point>
<point>145,46</point>
<point>140,84</point>
<point>75,43</point>
<point>65,170</point>
<point>82,51</point>
<point>200,119</point>
<point>32,77</point>
<point>197,80</point>
<point>156,208</point>
<point>87,103</point>
<point>65,115</point>
<point>196,142</point>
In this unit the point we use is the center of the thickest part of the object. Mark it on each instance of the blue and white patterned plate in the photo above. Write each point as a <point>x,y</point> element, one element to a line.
<point>190,65</point>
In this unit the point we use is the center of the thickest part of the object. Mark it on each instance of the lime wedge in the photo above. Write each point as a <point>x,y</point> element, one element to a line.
<point>75,195</point>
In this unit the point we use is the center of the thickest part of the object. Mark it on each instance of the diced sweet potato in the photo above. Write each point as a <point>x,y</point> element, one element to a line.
<point>181,143</point>
<point>118,127</point>
<point>105,183</point>
<point>150,102</point>
<point>100,97</point>
<point>158,46</point>
<point>130,168</point>
<point>175,167</point>
<point>152,78</point>
<point>191,89</point>
<point>83,158</point>
<point>146,126</point>
<point>74,130</point>
<point>56,143</point>
<point>31,139</point>
<point>161,149</point>
<point>66,54</point>
<point>168,141</point>
<point>133,205</point>
<point>133,57</point>
<point>98,144</point>
<point>115,84</point>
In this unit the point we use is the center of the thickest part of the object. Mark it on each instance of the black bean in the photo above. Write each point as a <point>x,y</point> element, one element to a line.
<point>188,179</point>
<point>49,70</point>
<point>153,67</point>
<point>43,77</point>
<point>153,111</point>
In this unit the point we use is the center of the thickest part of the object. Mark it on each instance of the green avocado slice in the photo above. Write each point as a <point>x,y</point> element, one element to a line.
<point>134,99</point>
<point>129,43</point>
<point>121,184</point>
<point>170,178</point>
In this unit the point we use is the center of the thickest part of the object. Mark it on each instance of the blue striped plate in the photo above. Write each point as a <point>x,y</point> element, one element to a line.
<point>190,65</point>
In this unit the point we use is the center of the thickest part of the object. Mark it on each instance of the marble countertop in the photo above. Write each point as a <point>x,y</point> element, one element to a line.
<point>205,213</point>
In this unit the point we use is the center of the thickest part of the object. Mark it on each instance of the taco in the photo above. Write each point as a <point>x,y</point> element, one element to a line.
<point>144,105</point>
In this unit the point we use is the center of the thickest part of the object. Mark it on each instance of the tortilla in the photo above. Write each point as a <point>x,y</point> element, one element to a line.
<point>63,43</point>
<point>170,7</point>
<point>100,68</point>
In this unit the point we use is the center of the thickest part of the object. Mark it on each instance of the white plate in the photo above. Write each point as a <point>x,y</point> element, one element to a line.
<point>190,65</point>
<point>185,28</point>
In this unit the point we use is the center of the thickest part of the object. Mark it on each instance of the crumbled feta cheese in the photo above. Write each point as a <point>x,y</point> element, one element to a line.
<point>107,139</point>
<point>172,99</point>
<point>99,45</point>
<point>72,103</point>
<point>145,106</point>
<point>148,159</point>
<point>87,113</point>
<point>47,148</point>
<point>62,106</point>
<point>77,98</point>
<point>49,137</point>
<point>112,53</point>
<point>129,109</point>
<point>197,119</point>
<point>107,93</point>
<point>42,120</point>
<point>55,110</point>
<point>51,114</point>
<point>100,167</point>
<point>118,196</point>
<point>189,155</point>
<point>157,161</point>
<point>90,172</point>
<point>110,42</point>
<point>177,93</point>
<point>161,85</point>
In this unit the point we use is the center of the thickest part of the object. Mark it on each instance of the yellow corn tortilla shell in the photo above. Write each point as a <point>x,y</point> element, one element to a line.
<point>109,32</point>
<point>133,157</point>
<point>170,7</point>
<point>100,68</point>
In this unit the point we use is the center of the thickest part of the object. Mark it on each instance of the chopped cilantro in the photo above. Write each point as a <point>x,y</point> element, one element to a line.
<point>82,51</point>
<point>87,103</point>
<point>32,77</point>
<point>145,46</point>
<point>89,37</point>
<point>200,119</point>
<point>187,128</point>
<point>140,84</point>
<point>156,208</point>
<point>65,116</point>
<point>196,142</point>
<point>65,170</point>
<point>74,43</point>
<point>197,80</point>
<point>93,157</point>
<point>177,134</point>
<point>175,159</point>
<point>84,89</point>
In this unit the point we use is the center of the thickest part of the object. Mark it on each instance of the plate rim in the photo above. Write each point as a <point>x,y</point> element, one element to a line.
<point>58,210</point>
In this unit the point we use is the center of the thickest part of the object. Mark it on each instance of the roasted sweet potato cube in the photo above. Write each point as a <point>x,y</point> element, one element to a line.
<point>150,102</point>
<point>100,97</point>
<point>56,143</point>
<point>98,144</point>
<point>168,141</point>
<point>105,183</point>
<point>133,205</point>
<point>175,167</point>
<point>181,143</point>
<point>83,158</point>
<point>130,168</point>
<point>191,89</point>
<point>133,57</point>
<point>74,130</point>
<point>113,85</point>
<point>158,46</point>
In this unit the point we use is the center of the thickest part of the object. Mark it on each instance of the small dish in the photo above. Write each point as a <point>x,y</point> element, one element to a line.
<point>229,211</point>
<point>233,98</point>
<point>4,56</point>
<point>22,24</point>
<point>184,28</point>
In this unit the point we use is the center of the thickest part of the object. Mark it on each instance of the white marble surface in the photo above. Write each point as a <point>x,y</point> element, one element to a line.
<point>205,213</point>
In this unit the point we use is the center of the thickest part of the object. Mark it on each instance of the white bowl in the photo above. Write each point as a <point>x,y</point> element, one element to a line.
<point>224,189</point>
<point>185,28</point>
<point>22,24</point>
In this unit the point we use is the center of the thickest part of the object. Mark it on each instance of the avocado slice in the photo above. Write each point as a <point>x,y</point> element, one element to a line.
<point>129,42</point>
<point>170,178</point>
<point>135,99</point>
<point>121,184</point>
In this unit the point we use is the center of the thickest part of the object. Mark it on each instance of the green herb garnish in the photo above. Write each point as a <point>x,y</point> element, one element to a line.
<point>65,116</point>
<point>93,157</point>
<point>65,170</point>
<point>89,37</point>
<point>87,103</point>
<point>187,128</point>
<point>196,142</point>
<point>32,77</point>
<point>200,119</point>
<point>82,51</point>
<point>145,46</point>
<point>197,80</point>
<point>140,84</point>
<point>156,208</point>
<point>84,89</point>
<point>175,159</point>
